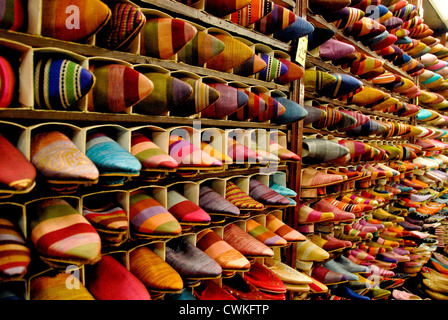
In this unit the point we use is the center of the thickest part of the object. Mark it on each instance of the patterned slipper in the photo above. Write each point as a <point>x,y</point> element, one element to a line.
<point>123,27</point>
<point>55,145</point>
<point>265,195</point>
<point>54,89</point>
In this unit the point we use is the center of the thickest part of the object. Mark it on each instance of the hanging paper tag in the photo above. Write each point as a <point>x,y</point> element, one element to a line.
<point>302,47</point>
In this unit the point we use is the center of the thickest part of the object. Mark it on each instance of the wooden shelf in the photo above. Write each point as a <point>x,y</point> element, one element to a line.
<point>209,20</point>
<point>93,51</point>
<point>41,191</point>
<point>319,21</point>
<point>96,117</point>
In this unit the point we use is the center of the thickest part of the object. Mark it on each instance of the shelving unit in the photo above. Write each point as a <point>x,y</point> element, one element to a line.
<point>29,117</point>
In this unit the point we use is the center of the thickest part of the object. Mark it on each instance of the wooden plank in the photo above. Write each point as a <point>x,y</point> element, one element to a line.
<point>74,116</point>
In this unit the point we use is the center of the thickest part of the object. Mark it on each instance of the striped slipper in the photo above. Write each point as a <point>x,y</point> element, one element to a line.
<point>14,251</point>
<point>117,88</point>
<point>148,217</point>
<point>168,94</point>
<point>253,12</point>
<point>229,258</point>
<point>245,243</point>
<point>150,155</point>
<point>274,68</point>
<point>213,203</point>
<point>220,8</point>
<point>123,27</point>
<point>188,155</point>
<point>264,194</point>
<point>111,221</point>
<point>162,38</point>
<point>240,198</point>
<point>254,107</point>
<point>55,221</point>
<point>186,211</point>
<point>282,152</point>
<point>202,48</point>
<point>283,230</point>
<point>201,98</point>
<point>263,234</point>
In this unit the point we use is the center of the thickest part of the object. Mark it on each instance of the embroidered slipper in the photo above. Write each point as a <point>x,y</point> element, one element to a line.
<point>53,155</point>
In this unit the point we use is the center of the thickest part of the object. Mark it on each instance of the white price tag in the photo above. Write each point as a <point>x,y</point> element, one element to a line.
<point>302,47</point>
